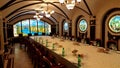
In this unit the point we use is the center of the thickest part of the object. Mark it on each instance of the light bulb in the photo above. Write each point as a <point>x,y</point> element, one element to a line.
<point>78,0</point>
<point>61,1</point>
<point>35,16</point>
<point>70,6</point>
<point>40,16</point>
<point>47,15</point>
<point>52,12</point>
<point>42,11</point>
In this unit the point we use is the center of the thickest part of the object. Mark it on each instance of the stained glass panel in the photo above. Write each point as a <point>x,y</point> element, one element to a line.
<point>25,27</point>
<point>17,29</point>
<point>33,26</point>
<point>83,25</point>
<point>114,23</point>
<point>66,26</point>
<point>40,27</point>
<point>30,26</point>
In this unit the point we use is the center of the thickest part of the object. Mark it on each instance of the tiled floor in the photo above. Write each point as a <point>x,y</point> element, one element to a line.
<point>21,58</point>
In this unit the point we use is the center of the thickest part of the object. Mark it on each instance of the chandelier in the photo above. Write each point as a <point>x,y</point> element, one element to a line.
<point>41,13</point>
<point>37,16</point>
<point>48,13</point>
<point>69,3</point>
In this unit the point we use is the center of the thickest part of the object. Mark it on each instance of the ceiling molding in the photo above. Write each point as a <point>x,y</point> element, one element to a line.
<point>17,15</point>
<point>22,14</point>
<point>88,7</point>
<point>83,10</point>
<point>6,5</point>
<point>20,2</point>
<point>54,19</point>
<point>53,3</point>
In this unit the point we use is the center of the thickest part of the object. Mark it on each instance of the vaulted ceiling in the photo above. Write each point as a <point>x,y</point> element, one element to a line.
<point>12,9</point>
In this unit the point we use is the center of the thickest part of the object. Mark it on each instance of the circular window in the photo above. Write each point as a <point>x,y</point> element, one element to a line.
<point>65,26</point>
<point>83,25</point>
<point>114,24</point>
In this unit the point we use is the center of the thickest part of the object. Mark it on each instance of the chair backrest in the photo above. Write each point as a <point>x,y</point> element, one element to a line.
<point>46,63</point>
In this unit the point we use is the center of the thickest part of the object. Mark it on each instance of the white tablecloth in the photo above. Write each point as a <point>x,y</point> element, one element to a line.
<point>92,58</point>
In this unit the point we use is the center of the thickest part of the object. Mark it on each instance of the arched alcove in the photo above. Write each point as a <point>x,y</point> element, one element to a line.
<point>76,23</point>
<point>108,35</point>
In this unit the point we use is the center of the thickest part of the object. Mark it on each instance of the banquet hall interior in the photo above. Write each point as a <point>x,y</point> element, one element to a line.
<point>59,33</point>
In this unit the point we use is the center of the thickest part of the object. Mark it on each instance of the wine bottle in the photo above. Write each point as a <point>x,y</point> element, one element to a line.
<point>98,44</point>
<point>63,52</point>
<point>42,41</point>
<point>79,61</point>
<point>46,43</point>
<point>53,46</point>
<point>39,40</point>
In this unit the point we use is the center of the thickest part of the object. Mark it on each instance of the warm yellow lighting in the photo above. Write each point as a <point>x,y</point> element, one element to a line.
<point>78,0</point>
<point>70,3</point>
<point>61,1</point>
<point>43,12</point>
<point>70,6</point>
<point>52,12</point>
<point>38,16</point>
<point>47,15</point>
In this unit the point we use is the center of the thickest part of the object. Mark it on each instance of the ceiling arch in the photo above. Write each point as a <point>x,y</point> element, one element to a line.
<point>31,12</point>
<point>61,10</point>
<point>35,4</point>
<point>5,4</point>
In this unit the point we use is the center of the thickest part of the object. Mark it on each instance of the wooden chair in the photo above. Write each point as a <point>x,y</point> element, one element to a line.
<point>44,63</point>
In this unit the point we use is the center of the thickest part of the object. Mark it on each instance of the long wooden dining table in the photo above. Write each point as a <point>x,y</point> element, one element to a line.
<point>90,55</point>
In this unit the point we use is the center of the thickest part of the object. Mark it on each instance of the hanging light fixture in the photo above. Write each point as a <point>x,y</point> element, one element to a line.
<point>37,15</point>
<point>41,13</point>
<point>47,15</point>
<point>69,3</point>
<point>48,12</point>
